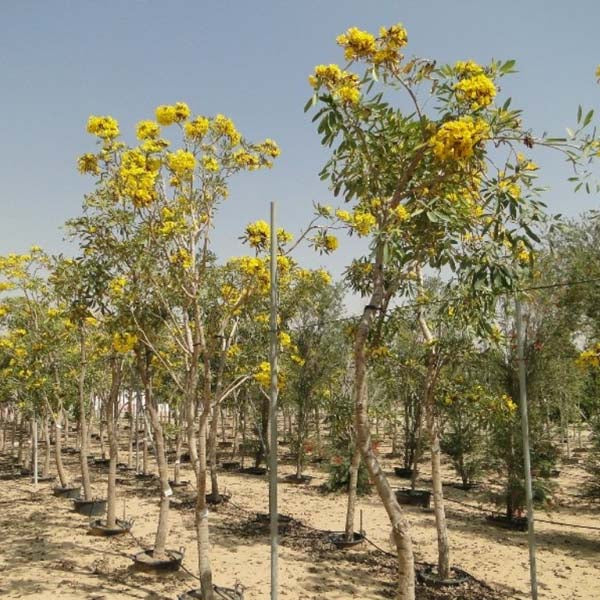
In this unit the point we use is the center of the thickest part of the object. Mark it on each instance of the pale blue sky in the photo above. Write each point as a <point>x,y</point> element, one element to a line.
<point>63,60</point>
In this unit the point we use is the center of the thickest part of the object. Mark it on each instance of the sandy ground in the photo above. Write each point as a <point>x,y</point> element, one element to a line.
<point>46,551</point>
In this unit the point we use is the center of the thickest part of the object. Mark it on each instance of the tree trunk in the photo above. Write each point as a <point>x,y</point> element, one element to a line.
<point>60,469</point>
<point>301,434</point>
<point>21,452</point>
<point>83,428</point>
<point>130,443</point>
<point>212,453</point>
<point>352,485</point>
<point>400,527</point>
<point>48,449</point>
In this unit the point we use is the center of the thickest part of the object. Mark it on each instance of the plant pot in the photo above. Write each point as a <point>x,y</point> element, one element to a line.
<point>101,462</point>
<point>403,472</point>
<point>265,518</point>
<point>254,471</point>
<point>428,574</point>
<point>144,476</point>
<point>145,561</point>
<point>225,444</point>
<point>221,499</point>
<point>338,539</point>
<point>98,527</point>
<point>298,480</point>
<point>555,473</point>
<point>410,497</point>
<point>514,523</point>
<point>178,484</point>
<point>221,593</point>
<point>231,465</point>
<point>46,479</point>
<point>90,508</point>
<point>67,492</point>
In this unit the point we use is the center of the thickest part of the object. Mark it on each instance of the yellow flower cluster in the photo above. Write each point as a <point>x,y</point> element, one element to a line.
<point>88,163</point>
<point>283,236</point>
<point>105,128</point>
<point>456,140</point>
<point>258,234</point>
<point>225,127</point>
<point>590,357</point>
<point>182,258</point>
<point>467,68</point>
<point>181,162</point>
<point>269,147</point>
<point>401,213</point>
<point>117,285</point>
<point>360,44</point>
<point>263,374</point>
<point>330,242</point>
<point>124,342</point>
<point>285,339</point>
<point>363,223</point>
<point>138,175</point>
<point>522,252</point>
<point>234,351</point>
<point>167,114</point>
<point>479,91</point>
<point>147,130</point>
<point>210,163</point>
<point>246,160</point>
<point>197,128</point>
<point>357,43</point>
<point>344,85</point>
<point>230,294</point>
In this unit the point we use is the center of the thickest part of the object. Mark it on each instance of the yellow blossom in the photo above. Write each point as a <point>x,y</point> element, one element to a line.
<point>258,234</point>
<point>138,176</point>
<point>88,163</point>
<point>246,160</point>
<point>401,213</point>
<point>225,127</point>
<point>479,91</point>
<point>210,163</point>
<point>330,242</point>
<point>124,342</point>
<point>181,162</point>
<point>357,43</point>
<point>363,222</point>
<point>468,68</point>
<point>455,140</point>
<point>197,128</point>
<point>147,130</point>
<point>106,128</point>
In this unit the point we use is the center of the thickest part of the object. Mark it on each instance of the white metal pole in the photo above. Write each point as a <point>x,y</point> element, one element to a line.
<point>526,453</point>
<point>273,410</point>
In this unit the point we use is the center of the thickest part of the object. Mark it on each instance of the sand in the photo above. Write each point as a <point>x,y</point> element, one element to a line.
<point>46,551</point>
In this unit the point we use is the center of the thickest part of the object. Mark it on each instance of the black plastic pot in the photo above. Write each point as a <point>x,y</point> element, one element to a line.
<point>221,499</point>
<point>178,484</point>
<point>428,574</point>
<point>254,471</point>
<point>410,497</point>
<point>101,462</point>
<point>144,476</point>
<point>514,523</point>
<point>145,561</point>
<point>231,465</point>
<point>98,527</point>
<point>403,472</point>
<point>90,508</point>
<point>338,539</point>
<point>294,479</point>
<point>221,593</point>
<point>67,492</point>
<point>225,444</point>
<point>266,518</point>
<point>44,479</point>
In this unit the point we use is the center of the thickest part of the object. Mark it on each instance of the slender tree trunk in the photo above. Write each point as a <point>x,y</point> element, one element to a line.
<point>101,432</point>
<point>83,428</point>
<point>235,432</point>
<point>21,451</point>
<point>352,486</point>
<point>300,439</point>
<point>317,430</point>
<point>48,449</point>
<point>212,453</point>
<point>60,469</point>
<point>130,444</point>
<point>400,527</point>
<point>66,429</point>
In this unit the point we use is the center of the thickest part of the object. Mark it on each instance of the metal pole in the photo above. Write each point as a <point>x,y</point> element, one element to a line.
<point>273,410</point>
<point>35,452</point>
<point>526,454</point>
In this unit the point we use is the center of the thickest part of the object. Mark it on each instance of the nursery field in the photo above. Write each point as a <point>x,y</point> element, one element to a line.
<point>47,551</point>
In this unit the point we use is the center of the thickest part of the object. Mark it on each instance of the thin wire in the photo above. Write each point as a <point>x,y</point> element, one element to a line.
<point>413,305</point>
